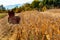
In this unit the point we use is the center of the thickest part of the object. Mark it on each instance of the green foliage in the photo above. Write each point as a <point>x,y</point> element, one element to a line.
<point>35,4</point>
<point>2,9</point>
<point>44,8</point>
<point>27,6</point>
<point>39,5</point>
<point>51,2</point>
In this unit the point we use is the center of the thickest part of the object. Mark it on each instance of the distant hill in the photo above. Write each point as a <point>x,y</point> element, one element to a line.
<point>12,6</point>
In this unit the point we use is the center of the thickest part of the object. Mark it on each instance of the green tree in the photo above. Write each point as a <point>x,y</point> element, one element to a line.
<point>2,8</point>
<point>35,4</point>
<point>51,2</point>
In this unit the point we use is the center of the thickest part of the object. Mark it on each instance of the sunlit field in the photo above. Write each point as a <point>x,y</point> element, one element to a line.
<point>34,25</point>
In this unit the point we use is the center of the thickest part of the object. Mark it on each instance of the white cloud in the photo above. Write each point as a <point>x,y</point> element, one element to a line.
<point>12,2</point>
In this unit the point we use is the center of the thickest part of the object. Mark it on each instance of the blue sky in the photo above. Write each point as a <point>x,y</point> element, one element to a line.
<point>13,2</point>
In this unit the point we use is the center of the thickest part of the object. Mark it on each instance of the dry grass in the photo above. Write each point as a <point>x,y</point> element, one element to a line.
<point>2,15</point>
<point>33,25</point>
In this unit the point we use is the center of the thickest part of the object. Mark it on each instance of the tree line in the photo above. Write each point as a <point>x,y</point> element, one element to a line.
<point>40,5</point>
<point>2,9</point>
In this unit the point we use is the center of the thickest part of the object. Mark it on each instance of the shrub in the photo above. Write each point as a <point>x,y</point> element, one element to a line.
<point>44,8</point>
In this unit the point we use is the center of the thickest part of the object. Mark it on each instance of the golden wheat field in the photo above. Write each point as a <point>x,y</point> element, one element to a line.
<point>34,25</point>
